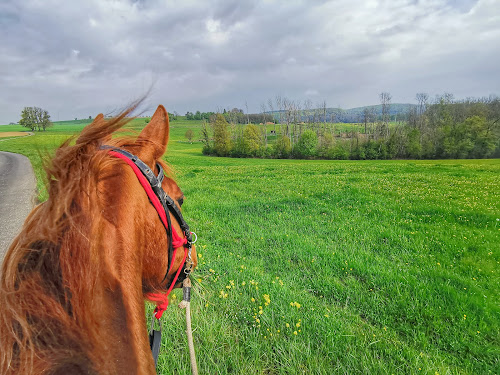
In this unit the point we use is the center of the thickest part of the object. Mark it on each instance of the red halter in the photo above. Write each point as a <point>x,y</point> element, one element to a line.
<point>160,299</point>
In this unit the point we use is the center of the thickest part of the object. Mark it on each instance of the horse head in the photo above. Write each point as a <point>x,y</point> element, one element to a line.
<point>73,282</point>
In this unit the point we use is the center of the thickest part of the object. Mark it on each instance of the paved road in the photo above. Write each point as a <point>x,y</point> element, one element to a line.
<point>17,196</point>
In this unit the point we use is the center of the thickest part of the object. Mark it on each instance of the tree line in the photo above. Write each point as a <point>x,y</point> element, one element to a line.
<point>438,129</point>
<point>234,116</point>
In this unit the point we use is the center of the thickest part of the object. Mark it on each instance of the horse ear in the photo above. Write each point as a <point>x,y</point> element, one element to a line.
<point>153,138</point>
<point>98,118</point>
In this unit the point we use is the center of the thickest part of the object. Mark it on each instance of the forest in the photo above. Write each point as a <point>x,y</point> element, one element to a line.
<point>443,129</point>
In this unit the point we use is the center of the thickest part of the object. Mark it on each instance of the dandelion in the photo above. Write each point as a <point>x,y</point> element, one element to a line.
<point>267,299</point>
<point>296,304</point>
<point>465,316</point>
<point>211,270</point>
<point>287,325</point>
<point>295,333</point>
<point>253,299</point>
<point>222,294</point>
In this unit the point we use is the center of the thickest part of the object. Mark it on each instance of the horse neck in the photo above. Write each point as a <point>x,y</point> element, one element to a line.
<point>118,310</point>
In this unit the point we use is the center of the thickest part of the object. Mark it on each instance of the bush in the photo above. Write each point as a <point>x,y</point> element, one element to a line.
<point>282,147</point>
<point>326,143</point>
<point>307,145</point>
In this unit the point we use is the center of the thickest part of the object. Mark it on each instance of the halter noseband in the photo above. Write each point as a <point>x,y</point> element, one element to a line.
<point>163,205</point>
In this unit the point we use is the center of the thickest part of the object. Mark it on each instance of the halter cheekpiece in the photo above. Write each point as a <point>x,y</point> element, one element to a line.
<point>163,205</point>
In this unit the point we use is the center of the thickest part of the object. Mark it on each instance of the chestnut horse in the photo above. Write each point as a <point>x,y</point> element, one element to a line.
<point>74,280</point>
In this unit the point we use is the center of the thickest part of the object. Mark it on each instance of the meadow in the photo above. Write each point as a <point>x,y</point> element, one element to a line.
<point>331,267</point>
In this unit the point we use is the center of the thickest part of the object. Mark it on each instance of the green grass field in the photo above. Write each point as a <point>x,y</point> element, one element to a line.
<point>332,267</point>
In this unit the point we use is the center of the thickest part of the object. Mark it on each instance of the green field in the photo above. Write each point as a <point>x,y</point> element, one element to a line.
<point>332,267</point>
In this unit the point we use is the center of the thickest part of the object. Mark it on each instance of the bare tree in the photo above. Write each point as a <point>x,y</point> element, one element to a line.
<point>271,109</point>
<point>288,114</point>
<point>308,111</point>
<point>248,117</point>
<point>422,99</point>
<point>263,109</point>
<point>366,117</point>
<point>279,106</point>
<point>323,109</point>
<point>385,100</point>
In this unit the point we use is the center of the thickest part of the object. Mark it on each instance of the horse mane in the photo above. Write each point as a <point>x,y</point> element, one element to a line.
<point>49,271</point>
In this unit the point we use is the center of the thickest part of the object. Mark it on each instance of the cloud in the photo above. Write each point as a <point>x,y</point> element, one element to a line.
<point>80,60</point>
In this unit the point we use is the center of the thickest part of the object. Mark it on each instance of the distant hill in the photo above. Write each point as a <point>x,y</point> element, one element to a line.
<point>397,111</point>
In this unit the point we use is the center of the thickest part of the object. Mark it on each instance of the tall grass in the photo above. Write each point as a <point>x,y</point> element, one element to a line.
<point>334,267</point>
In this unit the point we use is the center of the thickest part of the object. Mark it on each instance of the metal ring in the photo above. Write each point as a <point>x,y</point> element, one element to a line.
<point>153,323</point>
<point>195,239</point>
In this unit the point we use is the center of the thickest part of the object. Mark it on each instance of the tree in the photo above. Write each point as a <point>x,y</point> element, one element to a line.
<point>251,140</point>
<point>222,136</point>
<point>35,118</point>
<point>385,100</point>
<point>366,118</point>
<point>189,135</point>
<point>205,139</point>
<point>307,145</point>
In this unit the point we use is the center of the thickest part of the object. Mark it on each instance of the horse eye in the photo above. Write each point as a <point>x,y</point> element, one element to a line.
<point>180,201</point>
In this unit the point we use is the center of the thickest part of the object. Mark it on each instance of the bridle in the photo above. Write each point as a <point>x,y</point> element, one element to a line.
<point>163,205</point>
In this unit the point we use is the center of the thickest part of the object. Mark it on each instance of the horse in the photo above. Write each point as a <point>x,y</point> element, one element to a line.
<point>74,280</point>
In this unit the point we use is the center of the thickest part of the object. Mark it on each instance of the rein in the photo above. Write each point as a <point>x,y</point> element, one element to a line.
<point>164,206</point>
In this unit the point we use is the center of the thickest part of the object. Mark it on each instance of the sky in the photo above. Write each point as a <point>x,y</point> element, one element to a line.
<point>80,58</point>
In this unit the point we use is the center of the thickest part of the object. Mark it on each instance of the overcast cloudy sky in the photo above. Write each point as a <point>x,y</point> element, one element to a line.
<point>78,58</point>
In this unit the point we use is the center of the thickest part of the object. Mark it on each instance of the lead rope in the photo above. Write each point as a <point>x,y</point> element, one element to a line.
<point>186,304</point>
